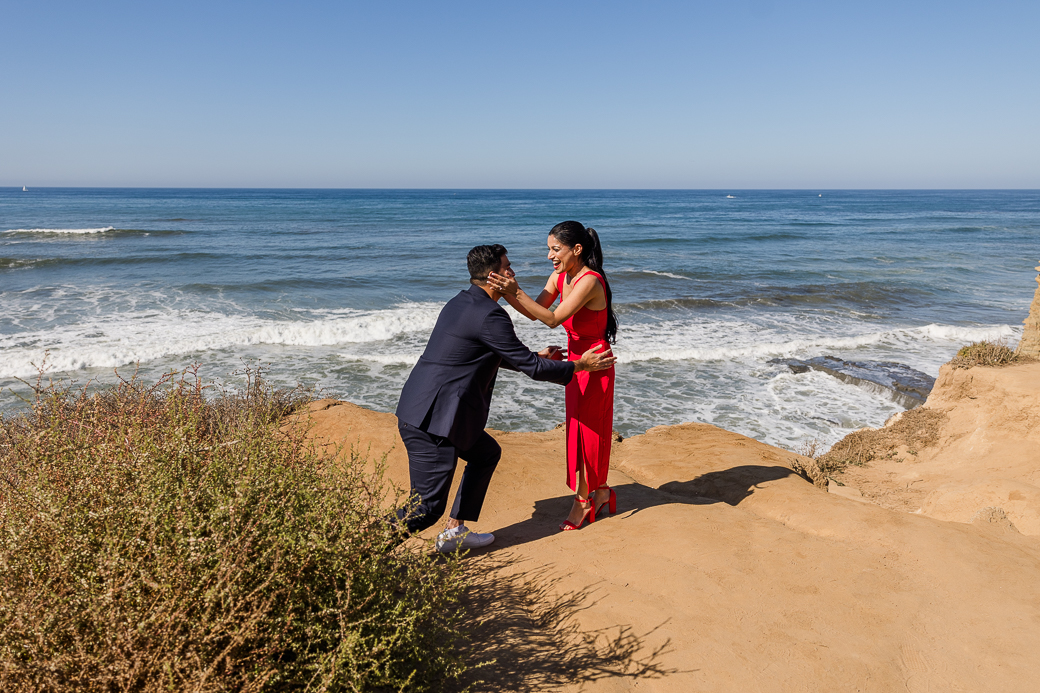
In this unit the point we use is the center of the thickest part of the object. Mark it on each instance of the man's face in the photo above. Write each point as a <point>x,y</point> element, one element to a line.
<point>506,270</point>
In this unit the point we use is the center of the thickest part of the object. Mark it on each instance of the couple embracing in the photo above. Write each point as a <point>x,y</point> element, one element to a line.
<point>444,404</point>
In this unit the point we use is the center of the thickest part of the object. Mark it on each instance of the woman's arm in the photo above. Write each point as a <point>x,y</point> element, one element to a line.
<point>581,293</point>
<point>545,298</point>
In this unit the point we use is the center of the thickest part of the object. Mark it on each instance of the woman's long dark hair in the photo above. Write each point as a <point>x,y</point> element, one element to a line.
<point>572,233</point>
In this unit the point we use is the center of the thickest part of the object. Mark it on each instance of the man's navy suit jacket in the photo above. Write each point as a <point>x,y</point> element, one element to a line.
<point>449,391</point>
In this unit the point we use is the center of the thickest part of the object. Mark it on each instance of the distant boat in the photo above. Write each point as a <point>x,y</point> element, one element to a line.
<point>25,189</point>
<point>730,197</point>
<point>821,195</point>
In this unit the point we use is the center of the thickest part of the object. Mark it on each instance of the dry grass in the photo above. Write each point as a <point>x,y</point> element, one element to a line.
<point>156,539</point>
<point>984,354</point>
<point>808,465</point>
<point>811,448</point>
<point>916,429</point>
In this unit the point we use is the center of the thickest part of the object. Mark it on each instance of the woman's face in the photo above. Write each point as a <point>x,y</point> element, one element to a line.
<point>563,257</point>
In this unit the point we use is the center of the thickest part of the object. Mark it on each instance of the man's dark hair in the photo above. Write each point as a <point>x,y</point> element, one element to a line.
<point>483,260</point>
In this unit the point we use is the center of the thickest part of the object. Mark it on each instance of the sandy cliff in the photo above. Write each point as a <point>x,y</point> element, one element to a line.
<point>1029,345</point>
<point>987,452</point>
<point>726,571</point>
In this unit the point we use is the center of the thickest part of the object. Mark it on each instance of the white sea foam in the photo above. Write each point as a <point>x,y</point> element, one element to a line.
<point>659,274</point>
<point>713,340</point>
<point>401,359</point>
<point>969,334</point>
<point>765,402</point>
<point>116,340</point>
<point>357,327</point>
<point>707,368</point>
<point>72,231</point>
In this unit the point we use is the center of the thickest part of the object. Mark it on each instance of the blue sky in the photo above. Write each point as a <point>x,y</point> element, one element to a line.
<point>745,94</point>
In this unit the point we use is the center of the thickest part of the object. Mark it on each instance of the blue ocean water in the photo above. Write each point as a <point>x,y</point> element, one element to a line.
<point>340,288</point>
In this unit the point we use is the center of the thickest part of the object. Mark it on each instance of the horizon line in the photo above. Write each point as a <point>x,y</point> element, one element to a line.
<point>507,189</point>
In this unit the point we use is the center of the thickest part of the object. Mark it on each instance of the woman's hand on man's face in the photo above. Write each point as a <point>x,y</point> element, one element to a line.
<point>503,284</point>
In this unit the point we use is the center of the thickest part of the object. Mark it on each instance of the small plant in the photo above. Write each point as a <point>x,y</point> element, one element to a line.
<point>811,468</point>
<point>810,448</point>
<point>156,539</point>
<point>984,354</point>
<point>916,429</point>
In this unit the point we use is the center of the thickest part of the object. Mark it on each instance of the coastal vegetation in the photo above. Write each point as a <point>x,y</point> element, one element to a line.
<point>985,353</point>
<point>172,536</point>
<point>906,433</point>
<point>913,430</point>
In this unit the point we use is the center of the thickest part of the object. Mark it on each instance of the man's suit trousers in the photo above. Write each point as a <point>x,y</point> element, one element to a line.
<point>431,465</point>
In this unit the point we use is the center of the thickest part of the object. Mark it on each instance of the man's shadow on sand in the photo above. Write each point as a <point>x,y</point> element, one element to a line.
<point>525,637</point>
<point>730,486</point>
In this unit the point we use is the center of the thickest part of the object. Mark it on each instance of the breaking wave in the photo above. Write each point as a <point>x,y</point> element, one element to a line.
<point>125,338</point>
<point>105,229</point>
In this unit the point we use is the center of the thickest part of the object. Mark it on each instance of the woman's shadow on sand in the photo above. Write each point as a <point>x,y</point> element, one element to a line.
<point>730,486</point>
<point>527,632</point>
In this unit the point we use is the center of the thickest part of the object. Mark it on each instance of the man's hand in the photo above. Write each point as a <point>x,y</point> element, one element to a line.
<point>553,353</point>
<point>595,360</point>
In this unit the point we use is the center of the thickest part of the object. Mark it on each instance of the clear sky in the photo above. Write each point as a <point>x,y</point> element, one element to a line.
<point>742,94</point>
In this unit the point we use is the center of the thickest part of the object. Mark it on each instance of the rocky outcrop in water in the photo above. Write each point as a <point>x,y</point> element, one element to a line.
<point>1029,345</point>
<point>906,386</point>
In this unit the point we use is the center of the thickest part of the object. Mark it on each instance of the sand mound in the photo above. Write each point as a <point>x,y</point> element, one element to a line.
<point>724,570</point>
<point>963,502</point>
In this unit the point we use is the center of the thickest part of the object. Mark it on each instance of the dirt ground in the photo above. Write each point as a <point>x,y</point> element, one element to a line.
<point>725,570</point>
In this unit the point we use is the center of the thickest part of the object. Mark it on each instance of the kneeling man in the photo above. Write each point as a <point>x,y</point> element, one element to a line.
<point>444,404</point>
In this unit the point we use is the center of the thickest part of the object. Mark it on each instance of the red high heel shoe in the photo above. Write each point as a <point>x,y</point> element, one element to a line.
<point>589,513</point>
<point>611,503</point>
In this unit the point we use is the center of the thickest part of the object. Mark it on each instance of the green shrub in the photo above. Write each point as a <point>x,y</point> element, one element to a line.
<point>153,538</point>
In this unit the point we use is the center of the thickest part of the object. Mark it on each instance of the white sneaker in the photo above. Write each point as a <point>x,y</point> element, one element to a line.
<point>451,539</point>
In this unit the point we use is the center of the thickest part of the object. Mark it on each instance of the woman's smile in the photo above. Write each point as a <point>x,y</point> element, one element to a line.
<point>561,256</point>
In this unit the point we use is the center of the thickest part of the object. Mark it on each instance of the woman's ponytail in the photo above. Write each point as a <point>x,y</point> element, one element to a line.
<point>593,255</point>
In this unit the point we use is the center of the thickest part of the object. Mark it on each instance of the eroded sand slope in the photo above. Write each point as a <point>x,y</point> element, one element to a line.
<point>987,455</point>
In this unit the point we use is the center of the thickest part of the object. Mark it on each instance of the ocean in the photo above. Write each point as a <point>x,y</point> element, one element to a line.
<point>338,289</point>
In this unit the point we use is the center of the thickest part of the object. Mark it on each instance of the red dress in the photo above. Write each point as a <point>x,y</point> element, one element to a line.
<point>589,398</point>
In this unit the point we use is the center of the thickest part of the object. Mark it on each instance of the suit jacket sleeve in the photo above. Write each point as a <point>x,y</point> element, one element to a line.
<point>499,335</point>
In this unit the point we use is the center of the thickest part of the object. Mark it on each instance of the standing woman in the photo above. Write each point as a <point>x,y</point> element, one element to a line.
<point>586,311</point>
